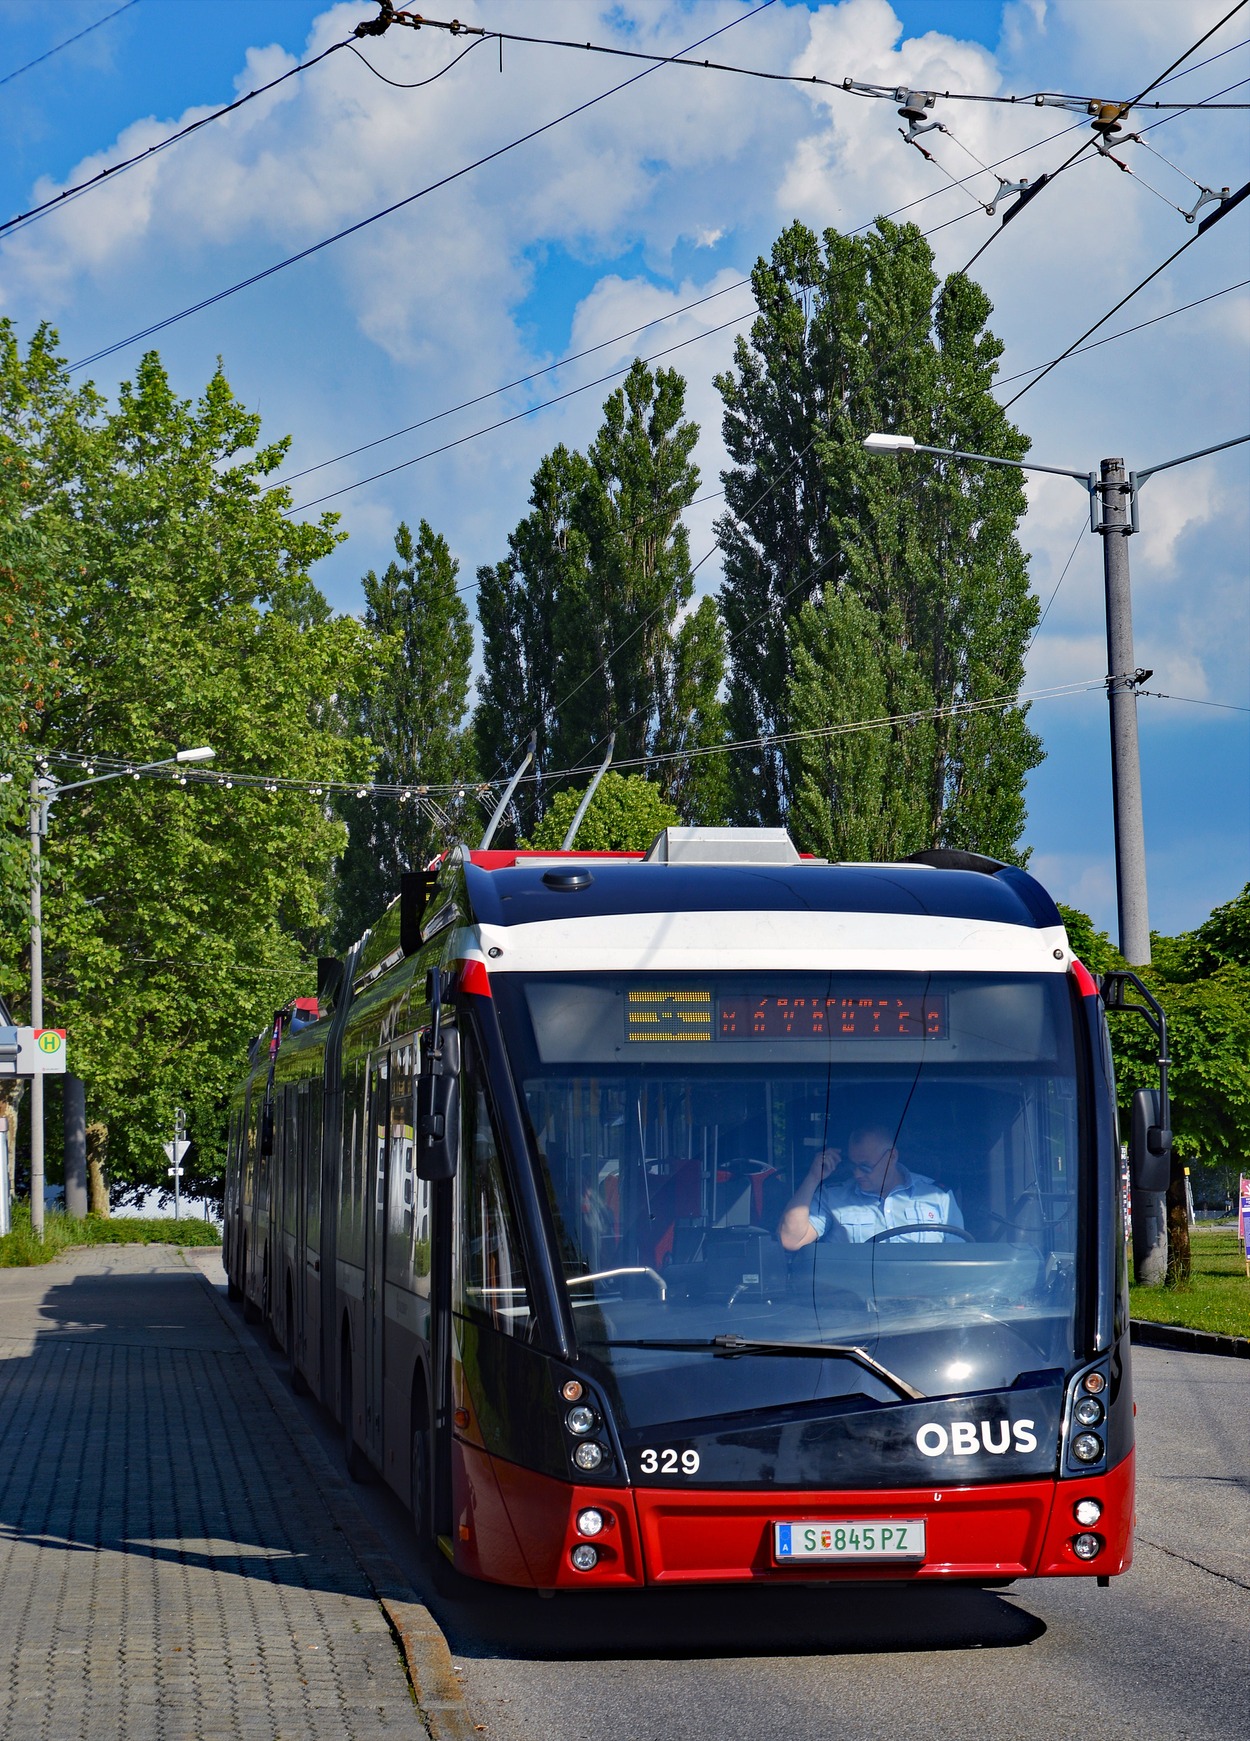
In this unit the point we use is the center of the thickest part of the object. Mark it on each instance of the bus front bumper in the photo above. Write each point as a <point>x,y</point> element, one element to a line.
<point>518,1527</point>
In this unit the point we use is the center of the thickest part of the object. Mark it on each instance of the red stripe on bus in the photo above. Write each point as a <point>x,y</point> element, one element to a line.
<point>1086,984</point>
<point>474,978</point>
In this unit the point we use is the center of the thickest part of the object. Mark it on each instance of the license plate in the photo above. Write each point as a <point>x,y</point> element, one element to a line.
<point>851,1538</point>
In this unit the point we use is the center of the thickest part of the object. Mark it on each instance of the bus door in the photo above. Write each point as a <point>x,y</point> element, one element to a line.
<point>376,1157</point>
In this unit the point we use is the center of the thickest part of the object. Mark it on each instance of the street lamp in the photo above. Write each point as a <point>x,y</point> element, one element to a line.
<point>1108,489</point>
<point>43,794</point>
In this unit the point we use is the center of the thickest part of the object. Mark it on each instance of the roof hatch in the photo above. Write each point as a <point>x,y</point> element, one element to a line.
<point>723,846</point>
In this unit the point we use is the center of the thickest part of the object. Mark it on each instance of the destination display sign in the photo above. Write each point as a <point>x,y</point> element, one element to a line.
<point>861,1017</point>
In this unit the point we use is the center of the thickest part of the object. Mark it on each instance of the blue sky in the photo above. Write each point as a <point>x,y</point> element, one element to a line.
<point>652,199</point>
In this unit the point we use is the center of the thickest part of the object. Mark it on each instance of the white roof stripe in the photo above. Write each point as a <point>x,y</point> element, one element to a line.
<point>755,940</point>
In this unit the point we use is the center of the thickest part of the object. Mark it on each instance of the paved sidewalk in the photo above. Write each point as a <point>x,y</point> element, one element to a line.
<point>168,1565</point>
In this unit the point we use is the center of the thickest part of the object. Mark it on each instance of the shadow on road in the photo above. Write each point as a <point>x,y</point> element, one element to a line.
<point>712,1622</point>
<point>135,1427</point>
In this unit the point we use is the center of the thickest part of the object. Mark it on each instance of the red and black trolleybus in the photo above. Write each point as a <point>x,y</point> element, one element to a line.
<point>510,1196</point>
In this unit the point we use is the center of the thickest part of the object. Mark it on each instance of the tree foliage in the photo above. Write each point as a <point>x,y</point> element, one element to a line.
<point>412,708</point>
<point>168,604</point>
<point>864,587</point>
<point>585,624</point>
<point>1202,980</point>
<point>625,815</point>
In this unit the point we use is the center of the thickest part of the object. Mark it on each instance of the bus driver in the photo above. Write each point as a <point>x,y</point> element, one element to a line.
<point>881,1194</point>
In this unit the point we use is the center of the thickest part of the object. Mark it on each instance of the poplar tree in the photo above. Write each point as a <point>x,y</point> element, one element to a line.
<point>413,711</point>
<point>587,627</point>
<point>863,587</point>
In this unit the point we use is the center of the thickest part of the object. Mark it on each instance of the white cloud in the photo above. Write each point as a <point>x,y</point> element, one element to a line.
<point>656,196</point>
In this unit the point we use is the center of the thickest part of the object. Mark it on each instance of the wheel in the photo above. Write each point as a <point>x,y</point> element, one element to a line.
<point>353,1456</point>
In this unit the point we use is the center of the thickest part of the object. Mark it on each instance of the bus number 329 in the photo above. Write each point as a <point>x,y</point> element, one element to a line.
<point>668,1461</point>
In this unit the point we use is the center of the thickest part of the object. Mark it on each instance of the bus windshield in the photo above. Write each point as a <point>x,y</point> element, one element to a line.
<point>879,1162</point>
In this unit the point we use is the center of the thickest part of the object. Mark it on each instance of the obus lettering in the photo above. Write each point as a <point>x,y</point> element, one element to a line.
<point>963,1439</point>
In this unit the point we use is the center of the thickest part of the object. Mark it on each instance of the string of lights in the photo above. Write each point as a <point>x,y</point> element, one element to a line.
<point>276,784</point>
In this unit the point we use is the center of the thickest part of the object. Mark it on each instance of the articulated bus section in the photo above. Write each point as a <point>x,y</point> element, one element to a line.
<point>716,1216</point>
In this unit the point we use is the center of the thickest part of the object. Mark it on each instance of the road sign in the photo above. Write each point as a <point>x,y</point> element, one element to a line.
<point>32,1051</point>
<point>174,1152</point>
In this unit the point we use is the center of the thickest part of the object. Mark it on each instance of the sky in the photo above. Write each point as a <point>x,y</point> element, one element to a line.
<point>658,196</point>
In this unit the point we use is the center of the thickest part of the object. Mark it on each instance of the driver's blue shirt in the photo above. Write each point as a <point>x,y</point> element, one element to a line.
<point>861,1214</point>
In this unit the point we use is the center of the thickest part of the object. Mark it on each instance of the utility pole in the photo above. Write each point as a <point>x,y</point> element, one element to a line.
<point>1114,492</point>
<point>37,814</point>
<point>1122,680</point>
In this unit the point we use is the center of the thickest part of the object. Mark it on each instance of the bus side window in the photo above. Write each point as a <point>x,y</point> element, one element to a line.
<point>489,1276</point>
<point>408,1213</point>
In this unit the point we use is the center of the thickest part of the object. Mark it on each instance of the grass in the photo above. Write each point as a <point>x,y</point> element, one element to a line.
<point>60,1234</point>
<point>1217,1295</point>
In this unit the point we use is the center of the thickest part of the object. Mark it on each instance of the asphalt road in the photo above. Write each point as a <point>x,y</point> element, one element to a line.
<point>1163,1651</point>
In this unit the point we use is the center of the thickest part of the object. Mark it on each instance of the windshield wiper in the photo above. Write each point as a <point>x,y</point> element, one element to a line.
<point>726,1346</point>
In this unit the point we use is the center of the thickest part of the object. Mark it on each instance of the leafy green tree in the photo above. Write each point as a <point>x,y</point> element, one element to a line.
<point>1202,979</point>
<point>625,815</point>
<point>586,626</point>
<point>856,335</point>
<point>413,710</point>
<point>176,916</point>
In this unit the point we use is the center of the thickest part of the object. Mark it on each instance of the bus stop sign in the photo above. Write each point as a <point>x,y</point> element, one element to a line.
<point>32,1051</point>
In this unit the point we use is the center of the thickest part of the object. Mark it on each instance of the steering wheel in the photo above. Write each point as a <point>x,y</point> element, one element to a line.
<point>913,1227</point>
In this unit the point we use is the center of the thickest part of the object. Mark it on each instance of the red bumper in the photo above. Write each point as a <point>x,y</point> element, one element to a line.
<point>517,1527</point>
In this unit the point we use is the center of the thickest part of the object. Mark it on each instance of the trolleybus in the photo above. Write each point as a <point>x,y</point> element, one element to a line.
<point>519,1197</point>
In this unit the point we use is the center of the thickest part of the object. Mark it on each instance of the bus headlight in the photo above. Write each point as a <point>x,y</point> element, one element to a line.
<point>580,1420</point>
<point>1087,1448</point>
<point>588,1455</point>
<point>1088,1412</point>
<point>1085,1547</point>
<point>1087,1511</point>
<point>591,1522</point>
<point>585,1558</point>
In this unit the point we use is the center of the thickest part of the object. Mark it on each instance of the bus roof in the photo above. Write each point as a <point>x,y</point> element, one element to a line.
<point>516,888</point>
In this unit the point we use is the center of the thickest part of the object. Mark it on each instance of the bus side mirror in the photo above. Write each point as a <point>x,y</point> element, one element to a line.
<point>438,1106</point>
<point>1149,1144</point>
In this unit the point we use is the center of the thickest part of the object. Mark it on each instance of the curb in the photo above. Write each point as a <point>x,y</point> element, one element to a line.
<point>1176,1337</point>
<point>418,1636</point>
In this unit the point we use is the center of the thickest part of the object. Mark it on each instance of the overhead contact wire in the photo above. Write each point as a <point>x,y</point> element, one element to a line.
<point>395,206</point>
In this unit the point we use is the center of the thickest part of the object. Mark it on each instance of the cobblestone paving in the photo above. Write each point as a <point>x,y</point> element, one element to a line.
<point>168,1567</point>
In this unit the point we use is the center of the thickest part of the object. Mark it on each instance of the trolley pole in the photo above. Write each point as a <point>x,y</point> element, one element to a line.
<point>36,1003</point>
<point>1122,680</point>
